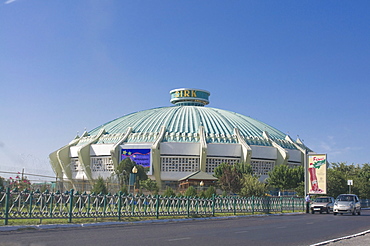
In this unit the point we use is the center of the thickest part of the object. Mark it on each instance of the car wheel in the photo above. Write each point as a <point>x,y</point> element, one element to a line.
<point>320,211</point>
<point>335,213</point>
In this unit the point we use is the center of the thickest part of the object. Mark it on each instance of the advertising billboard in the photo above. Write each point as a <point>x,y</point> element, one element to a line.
<point>139,156</point>
<point>317,173</point>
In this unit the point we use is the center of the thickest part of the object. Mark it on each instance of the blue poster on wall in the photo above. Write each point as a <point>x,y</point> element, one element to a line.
<point>139,156</point>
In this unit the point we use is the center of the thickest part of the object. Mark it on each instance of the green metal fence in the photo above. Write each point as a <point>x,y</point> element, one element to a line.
<point>71,205</point>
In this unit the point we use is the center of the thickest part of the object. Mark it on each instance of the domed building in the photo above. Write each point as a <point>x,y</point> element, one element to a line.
<point>174,143</point>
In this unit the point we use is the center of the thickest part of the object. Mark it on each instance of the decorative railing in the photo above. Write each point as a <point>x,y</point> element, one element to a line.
<point>71,205</point>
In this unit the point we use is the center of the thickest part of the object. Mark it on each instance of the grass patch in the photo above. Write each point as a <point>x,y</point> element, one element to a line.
<point>25,222</point>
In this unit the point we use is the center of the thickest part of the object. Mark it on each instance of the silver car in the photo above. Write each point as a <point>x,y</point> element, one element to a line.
<point>347,203</point>
<point>322,204</point>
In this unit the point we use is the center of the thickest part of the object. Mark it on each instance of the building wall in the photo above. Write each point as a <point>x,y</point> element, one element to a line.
<point>178,160</point>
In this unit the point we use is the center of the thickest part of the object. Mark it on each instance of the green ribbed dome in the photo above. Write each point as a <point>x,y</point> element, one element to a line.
<point>182,125</point>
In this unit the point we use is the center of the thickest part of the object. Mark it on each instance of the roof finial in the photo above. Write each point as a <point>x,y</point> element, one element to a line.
<point>189,97</point>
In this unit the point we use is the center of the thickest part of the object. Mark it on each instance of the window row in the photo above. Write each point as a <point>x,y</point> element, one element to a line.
<point>212,163</point>
<point>261,167</point>
<point>101,164</point>
<point>179,164</point>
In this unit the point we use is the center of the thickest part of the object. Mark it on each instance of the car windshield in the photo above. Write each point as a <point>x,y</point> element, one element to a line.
<point>322,199</point>
<point>345,198</point>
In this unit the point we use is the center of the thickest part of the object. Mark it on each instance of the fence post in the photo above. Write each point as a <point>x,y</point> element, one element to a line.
<point>293,203</point>
<point>31,199</point>
<point>51,205</point>
<point>88,204</point>
<point>268,205</point>
<point>188,206</point>
<point>213,204</point>
<point>157,207</point>
<point>119,204</point>
<point>104,205</point>
<point>133,204</point>
<point>252,204</point>
<point>281,204</point>
<point>234,204</point>
<point>7,200</point>
<point>70,206</point>
<point>196,205</point>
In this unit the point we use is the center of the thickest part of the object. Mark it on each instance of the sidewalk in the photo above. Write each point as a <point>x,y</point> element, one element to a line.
<point>360,239</point>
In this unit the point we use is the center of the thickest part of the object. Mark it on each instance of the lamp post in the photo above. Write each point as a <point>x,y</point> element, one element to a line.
<point>134,172</point>
<point>201,184</point>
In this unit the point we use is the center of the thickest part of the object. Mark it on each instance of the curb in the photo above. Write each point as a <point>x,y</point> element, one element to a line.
<point>341,238</point>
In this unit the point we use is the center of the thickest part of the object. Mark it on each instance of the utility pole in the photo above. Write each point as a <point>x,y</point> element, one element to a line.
<point>305,172</point>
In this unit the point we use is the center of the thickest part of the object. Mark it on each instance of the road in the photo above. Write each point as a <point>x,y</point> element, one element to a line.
<point>301,229</point>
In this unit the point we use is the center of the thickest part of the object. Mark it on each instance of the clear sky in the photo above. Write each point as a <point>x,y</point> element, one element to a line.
<point>302,67</point>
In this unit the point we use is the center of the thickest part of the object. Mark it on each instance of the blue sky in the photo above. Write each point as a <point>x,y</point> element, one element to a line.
<point>66,66</point>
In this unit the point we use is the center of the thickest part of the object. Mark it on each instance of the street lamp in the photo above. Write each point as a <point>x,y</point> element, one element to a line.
<point>134,171</point>
<point>201,184</point>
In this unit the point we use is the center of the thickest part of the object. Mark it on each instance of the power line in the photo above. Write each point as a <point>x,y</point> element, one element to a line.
<point>30,174</point>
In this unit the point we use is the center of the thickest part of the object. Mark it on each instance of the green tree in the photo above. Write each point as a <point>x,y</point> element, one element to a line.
<point>335,182</point>
<point>230,180</point>
<point>202,194</point>
<point>300,189</point>
<point>219,170</point>
<point>124,168</point>
<point>284,177</point>
<point>297,177</point>
<point>169,192</point>
<point>252,186</point>
<point>99,186</point>
<point>210,192</point>
<point>244,168</point>
<point>1,182</point>
<point>149,185</point>
<point>239,167</point>
<point>230,176</point>
<point>191,191</point>
<point>124,189</point>
<point>141,173</point>
<point>364,181</point>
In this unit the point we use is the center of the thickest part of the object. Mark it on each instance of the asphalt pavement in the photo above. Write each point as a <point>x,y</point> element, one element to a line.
<point>359,239</point>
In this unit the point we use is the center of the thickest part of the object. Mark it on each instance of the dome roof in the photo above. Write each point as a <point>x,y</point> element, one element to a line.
<point>182,123</point>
